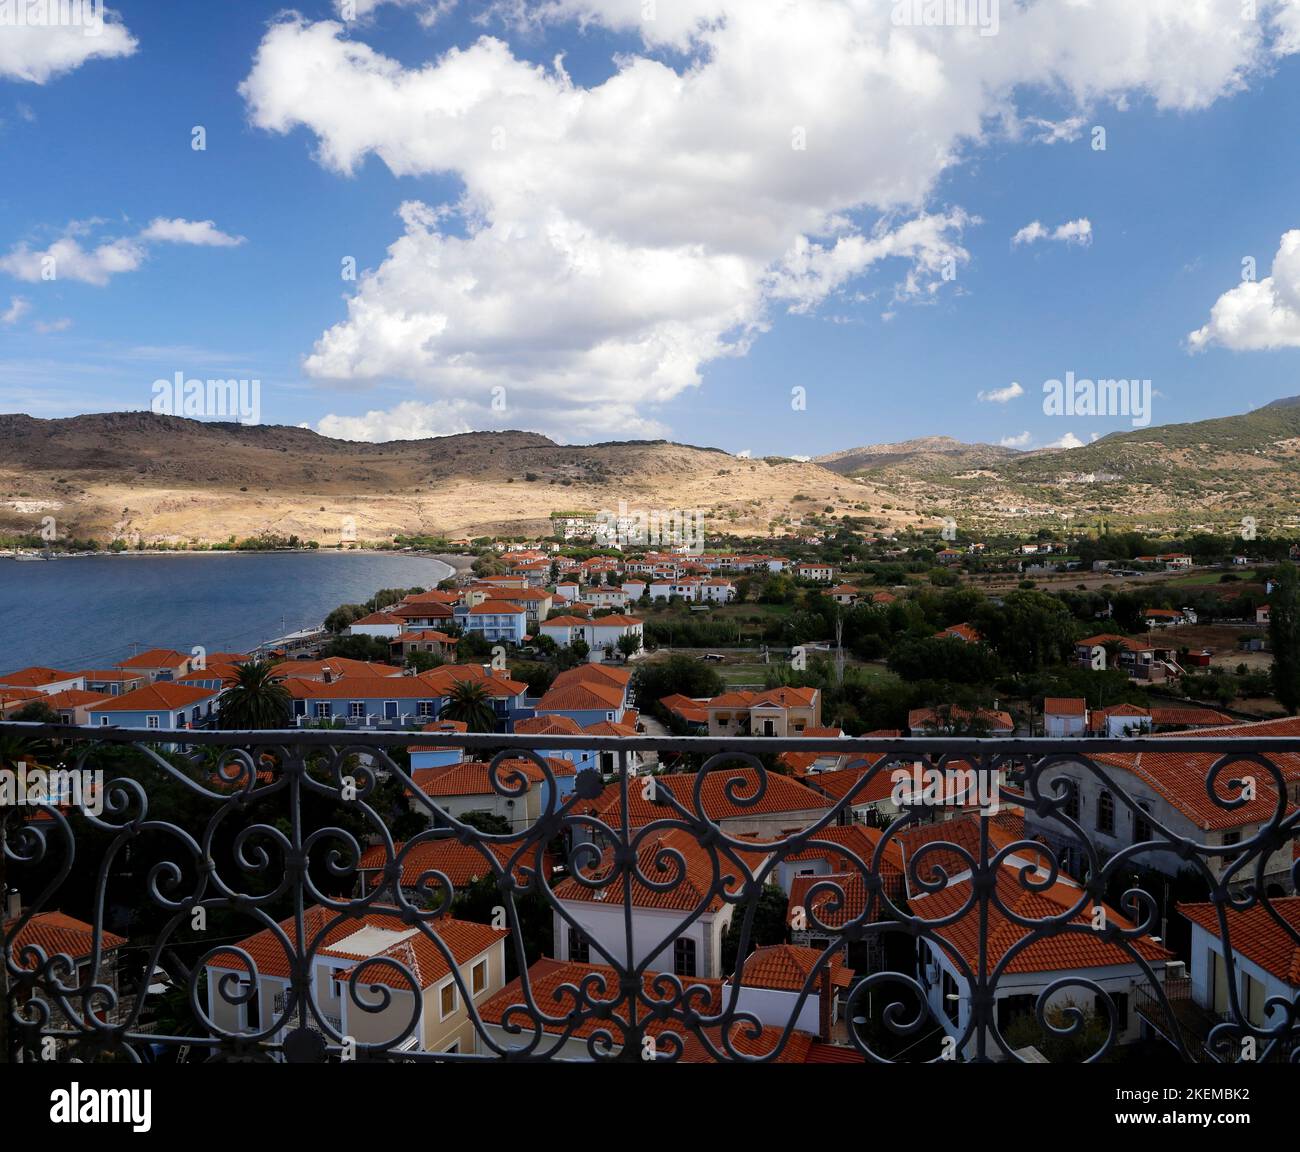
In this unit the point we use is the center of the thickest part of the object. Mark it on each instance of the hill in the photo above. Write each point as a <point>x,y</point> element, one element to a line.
<point>138,475</point>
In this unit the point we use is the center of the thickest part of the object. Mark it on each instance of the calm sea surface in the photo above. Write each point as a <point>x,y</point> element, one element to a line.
<point>86,612</point>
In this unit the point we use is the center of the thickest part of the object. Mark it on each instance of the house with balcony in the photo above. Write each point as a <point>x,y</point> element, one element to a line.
<point>1081,953</point>
<point>818,573</point>
<point>112,681</point>
<point>508,696</point>
<point>332,668</point>
<point>781,712</point>
<point>368,947</point>
<point>427,640</point>
<point>365,702</point>
<point>158,705</point>
<point>497,621</point>
<point>1143,661</point>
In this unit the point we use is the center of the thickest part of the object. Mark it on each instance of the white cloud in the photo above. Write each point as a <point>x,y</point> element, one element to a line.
<point>19,306</point>
<point>38,52</point>
<point>1002,395</point>
<point>1069,440</point>
<point>1258,314</point>
<point>612,240</point>
<point>45,327</point>
<point>1019,441</point>
<point>97,263</point>
<point>1077,232</point>
<point>430,11</point>
<point>201,232</point>
<point>66,259</point>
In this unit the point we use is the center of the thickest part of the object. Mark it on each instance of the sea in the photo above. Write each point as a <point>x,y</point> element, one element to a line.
<point>82,612</point>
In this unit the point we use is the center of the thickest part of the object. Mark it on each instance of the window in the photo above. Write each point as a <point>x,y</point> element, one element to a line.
<point>684,956</point>
<point>151,722</point>
<point>357,709</point>
<point>103,721</point>
<point>1106,813</point>
<point>579,949</point>
<point>478,977</point>
<point>1072,805</point>
<point>1142,829</point>
<point>1233,837</point>
<point>322,709</point>
<point>425,709</point>
<point>447,1000</point>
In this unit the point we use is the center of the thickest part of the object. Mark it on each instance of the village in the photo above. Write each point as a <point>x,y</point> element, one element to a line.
<point>837,850</point>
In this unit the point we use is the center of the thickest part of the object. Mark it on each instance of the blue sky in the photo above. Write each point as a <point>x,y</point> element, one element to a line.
<point>663,321</point>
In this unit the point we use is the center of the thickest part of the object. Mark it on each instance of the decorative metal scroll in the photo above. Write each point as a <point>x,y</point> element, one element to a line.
<point>198,840</point>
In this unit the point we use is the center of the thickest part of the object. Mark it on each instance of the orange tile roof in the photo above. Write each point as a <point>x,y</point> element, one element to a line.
<point>1191,717</point>
<point>337,666</point>
<point>1081,946</point>
<point>474,777</point>
<point>74,698</point>
<point>787,967</point>
<point>164,694</point>
<point>495,608</point>
<point>155,658</point>
<point>1180,778</point>
<point>35,677</point>
<point>548,726</point>
<point>56,933</point>
<point>377,618</point>
<point>923,718</point>
<point>417,951</point>
<point>692,711</point>
<point>691,878</point>
<point>581,698</point>
<point>462,864</point>
<point>1065,705</point>
<point>782,795</point>
<point>1256,935</point>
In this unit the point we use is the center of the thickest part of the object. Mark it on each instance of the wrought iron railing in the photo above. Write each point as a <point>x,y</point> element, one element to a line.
<point>204,839</point>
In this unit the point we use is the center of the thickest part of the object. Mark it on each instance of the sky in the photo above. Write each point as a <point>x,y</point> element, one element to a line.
<point>777,227</point>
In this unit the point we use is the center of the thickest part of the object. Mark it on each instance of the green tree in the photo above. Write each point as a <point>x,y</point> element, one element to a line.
<point>470,703</point>
<point>1284,637</point>
<point>629,645</point>
<point>678,675</point>
<point>769,926</point>
<point>256,700</point>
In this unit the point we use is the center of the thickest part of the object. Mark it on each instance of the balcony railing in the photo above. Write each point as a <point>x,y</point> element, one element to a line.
<point>186,856</point>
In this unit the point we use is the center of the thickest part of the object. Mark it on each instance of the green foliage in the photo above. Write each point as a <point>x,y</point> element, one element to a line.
<point>256,700</point>
<point>678,675</point>
<point>1284,638</point>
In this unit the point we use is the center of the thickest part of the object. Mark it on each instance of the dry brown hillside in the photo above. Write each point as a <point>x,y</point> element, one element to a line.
<point>164,478</point>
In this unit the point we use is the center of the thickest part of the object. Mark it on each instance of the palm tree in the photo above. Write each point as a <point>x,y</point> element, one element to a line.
<point>257,698</point>
<point>469,702</point>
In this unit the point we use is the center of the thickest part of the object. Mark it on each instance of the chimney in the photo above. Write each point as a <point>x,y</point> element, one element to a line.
<point>327,676</point>
<point>824,1011</point>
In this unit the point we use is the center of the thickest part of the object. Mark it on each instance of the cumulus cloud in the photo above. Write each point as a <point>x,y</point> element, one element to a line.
<point>428,11</point>
<point>1002,395</point>
<point>1071,232</point>
<point>614,239</point>
<point>97,263</point>
<point>201,232</point>
<point>1018,441</point>
<point>1258,314</point>
<point>1069,440</point>
<point>36,51</point>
